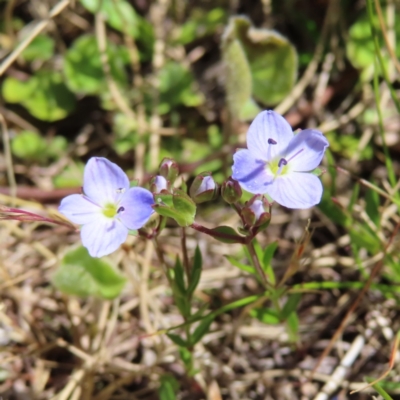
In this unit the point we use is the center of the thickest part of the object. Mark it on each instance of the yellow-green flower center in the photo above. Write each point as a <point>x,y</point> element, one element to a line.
<point>278,167</point>
<point>110,210</point>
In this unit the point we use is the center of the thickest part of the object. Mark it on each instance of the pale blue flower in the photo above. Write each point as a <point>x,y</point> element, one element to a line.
<point>108,207</point>
<point>278,163</point>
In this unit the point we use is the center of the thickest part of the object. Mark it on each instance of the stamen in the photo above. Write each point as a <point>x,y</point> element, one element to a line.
<point>294,155</point>
<point>282,162</point>
<point>270,141</point>
<point>121,209</point>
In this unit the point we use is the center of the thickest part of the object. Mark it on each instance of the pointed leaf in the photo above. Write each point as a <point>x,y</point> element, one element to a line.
<point>196,271</point>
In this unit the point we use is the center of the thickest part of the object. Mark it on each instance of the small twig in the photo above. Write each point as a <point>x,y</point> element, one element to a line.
<point>158,12</point>
<point>144,289</point>
<point>331,15</point>
<point>385,36</point>
<point>392,360</point>
<point>8,158</point>
<point>339,374</point>
<point>36,30</point>
<point>357,301</point>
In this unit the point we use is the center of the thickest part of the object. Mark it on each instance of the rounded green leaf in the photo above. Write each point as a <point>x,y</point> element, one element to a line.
<point>119,14</point>
<point>44,95</point>
<point>83,69</point>
<point>16,91</point>
<point>81,275</point>
<point>41,48</point>
<point>28,145</point>
<point>258,61</point>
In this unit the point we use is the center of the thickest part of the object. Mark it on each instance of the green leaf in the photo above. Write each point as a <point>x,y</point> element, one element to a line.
<point>177,87</point>
<point>187,358</point>
<point>332,211</point>
<point>169,386</point>
<point>372,206</point>
<point>16,91</point>
<point>164,198</point>
<point>267,259</point>
<point>179,277</point>
<point>230,235</point>
<point>290,305</point>
<point>266,56</point>
<point>119,14</point>
<point>71,176</point>
<point>83,69</point>
<point>44,95</point>
<point>170,213</point>
<point>177,340</point>
<point>238,80</point>
<point>243,267</point>
<point>362,237</point>
<point>196,271</point>
<point>28,145</point>
<point>266,315</point>
<point>41,48</point>
<point>200,24</point>
<point>81,275</point>
<point>202,329</point>
<point>31,146</point>
<point>293,326</point>
<point>185,206</point>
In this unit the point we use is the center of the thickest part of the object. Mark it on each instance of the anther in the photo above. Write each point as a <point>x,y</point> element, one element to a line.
<point>272,141</point>
<point>120,210</point>
<point>282,162</point>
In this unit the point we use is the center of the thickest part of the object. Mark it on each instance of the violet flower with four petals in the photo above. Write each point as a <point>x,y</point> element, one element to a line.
<point>108,207</point>
<point>278,163</point>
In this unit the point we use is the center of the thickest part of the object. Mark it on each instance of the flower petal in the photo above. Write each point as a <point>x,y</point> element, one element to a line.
<point>296,190</point>
<point>250,172</point>
<point>136,207</point>
<point>306,150</point>
<point>103,235</point>
<point>79,209</point>
<point>103,181</point>
<point>269,134</point>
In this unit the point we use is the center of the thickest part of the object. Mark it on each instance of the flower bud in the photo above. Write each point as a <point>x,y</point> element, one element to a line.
<point>231,191</point>
<point>203,188</point>
<point>254,214</point>
<point>169,170</point>
<point>158,183</point>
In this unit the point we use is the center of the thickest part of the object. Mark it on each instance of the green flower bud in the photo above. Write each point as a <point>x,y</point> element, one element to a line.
<point>158,184</point>
<point>203,188</point>
<point>231,191</point>
<point>169,170</point>
<point>254,214</point>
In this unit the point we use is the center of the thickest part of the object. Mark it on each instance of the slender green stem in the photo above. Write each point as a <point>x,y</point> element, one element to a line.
<point>256,263</point>
<point>185,255</point>
<point>388,160</point>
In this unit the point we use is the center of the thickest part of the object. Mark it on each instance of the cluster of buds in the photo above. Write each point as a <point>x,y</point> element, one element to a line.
<point>204,188</point>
